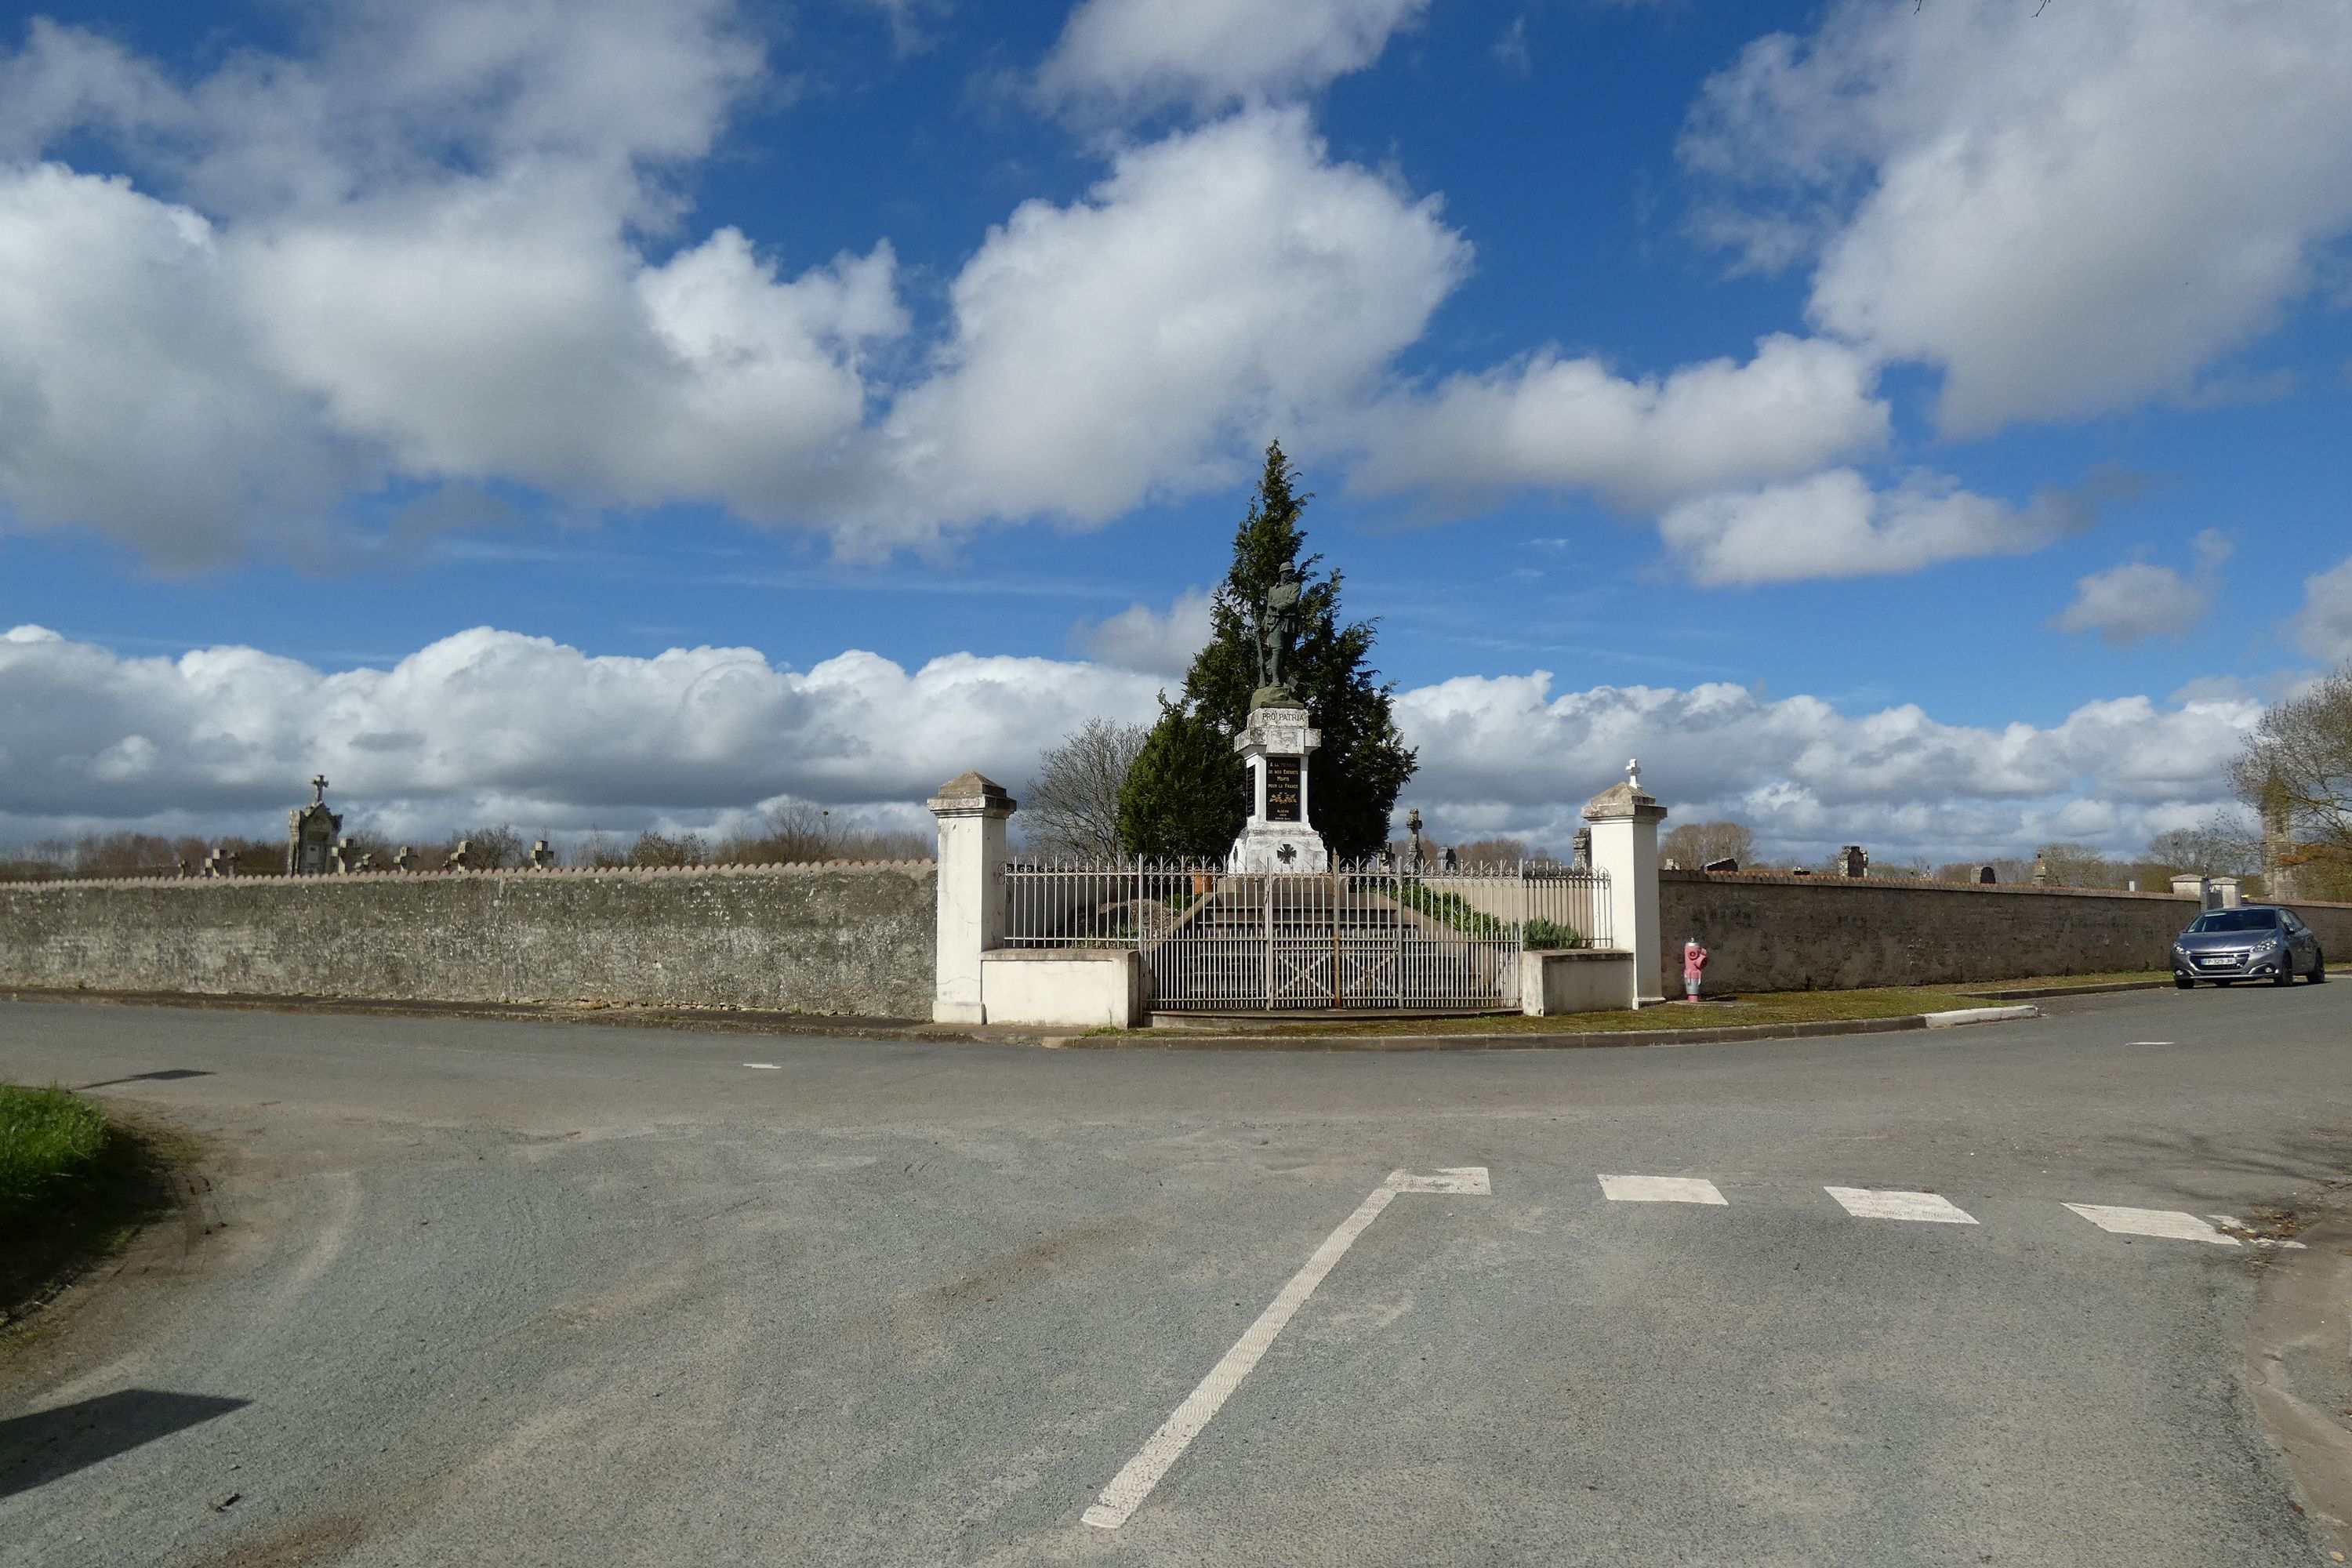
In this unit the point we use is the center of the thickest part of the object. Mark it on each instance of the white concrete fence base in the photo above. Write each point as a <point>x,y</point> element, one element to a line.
<point>1576,980</point>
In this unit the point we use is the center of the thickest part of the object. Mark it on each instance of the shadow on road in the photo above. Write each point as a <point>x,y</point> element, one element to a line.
<point>36,1449</point>
<point>165,1075</point>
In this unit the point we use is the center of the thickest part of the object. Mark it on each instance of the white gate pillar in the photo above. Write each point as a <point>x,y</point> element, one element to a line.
<point>1624,821</point>
<point>971,812</point>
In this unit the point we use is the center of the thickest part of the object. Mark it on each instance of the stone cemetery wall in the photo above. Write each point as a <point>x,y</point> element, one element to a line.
<point>839,938</point>
<point>1768,933</point>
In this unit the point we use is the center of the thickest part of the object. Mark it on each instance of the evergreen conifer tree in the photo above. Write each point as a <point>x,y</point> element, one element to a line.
<point>1185,797</point>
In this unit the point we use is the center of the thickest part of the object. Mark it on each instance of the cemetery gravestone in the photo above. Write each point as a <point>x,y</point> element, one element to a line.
<point>310,847</point>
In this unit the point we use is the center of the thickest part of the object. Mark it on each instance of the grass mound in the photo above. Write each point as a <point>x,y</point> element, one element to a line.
<point>48,1141</point>
<point>73,1186</point>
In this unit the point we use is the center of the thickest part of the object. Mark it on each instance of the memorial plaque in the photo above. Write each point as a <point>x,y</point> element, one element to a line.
<point>1282,788</point>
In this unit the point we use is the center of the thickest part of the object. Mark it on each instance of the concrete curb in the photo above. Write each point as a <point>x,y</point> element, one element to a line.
<point>726,1021</point>
<point>734,1022</point>
<point>1958,1016</point>
<point>1562,1040</point>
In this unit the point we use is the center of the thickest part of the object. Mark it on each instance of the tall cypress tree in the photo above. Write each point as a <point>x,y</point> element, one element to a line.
<point>1354,776</point>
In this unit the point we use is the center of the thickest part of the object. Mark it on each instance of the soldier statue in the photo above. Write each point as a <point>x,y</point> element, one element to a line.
<point>1277,639</point>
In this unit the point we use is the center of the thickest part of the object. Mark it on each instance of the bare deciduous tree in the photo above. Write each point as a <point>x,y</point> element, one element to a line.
<point>1693,844</point>
<point>1493,852</point>
<point>1072,808</point>
<point>2221,846</point>
<point>2076,865</point>
<point>2298,765</point>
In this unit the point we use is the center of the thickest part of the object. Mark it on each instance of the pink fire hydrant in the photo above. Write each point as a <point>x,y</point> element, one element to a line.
<point>1694,965</point>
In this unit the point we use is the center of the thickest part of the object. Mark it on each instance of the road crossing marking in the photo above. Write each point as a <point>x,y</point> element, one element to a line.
<point>1660,1190</point>
<point>1134,1483</point>
<point>1862,1202</point>
<point>2170,1224</point>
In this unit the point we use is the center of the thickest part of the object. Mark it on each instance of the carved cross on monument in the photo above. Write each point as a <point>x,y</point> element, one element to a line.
<point>1634,772</point>
<point>317,789</point>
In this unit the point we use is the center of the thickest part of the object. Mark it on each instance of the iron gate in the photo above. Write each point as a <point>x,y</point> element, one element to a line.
<point>1353,938</point>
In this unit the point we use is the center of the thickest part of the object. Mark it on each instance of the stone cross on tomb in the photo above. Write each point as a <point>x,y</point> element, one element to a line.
<point>1634,772</point>
<point>317,789</point>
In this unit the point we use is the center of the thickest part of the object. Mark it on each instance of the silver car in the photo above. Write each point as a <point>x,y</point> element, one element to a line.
<point>2258,941</point>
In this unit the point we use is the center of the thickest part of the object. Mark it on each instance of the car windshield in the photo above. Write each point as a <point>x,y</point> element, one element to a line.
<point>2237,920</point>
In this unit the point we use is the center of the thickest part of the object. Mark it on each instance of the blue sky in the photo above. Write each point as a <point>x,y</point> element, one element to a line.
<point>1890,434</point>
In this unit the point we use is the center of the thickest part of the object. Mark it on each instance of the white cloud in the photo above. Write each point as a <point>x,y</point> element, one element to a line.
<point>2069,210</point>
<point>1155,641</point>
<point>130,400</point>
<point>1507,754</point>
<point>2136,600</point>
<point>465,731</point>
<point>1563,424</point>
<point>1833,524</point>
<point>1218,285</point>
<point>465,728</point>
<point>1140,54</point>
<point>422,253</point>
<point>2323,628</point>
<point>443,248</point>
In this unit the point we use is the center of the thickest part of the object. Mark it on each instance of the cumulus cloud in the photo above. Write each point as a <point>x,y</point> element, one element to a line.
<point>1551,423</point>
<point>2323,628</point>
<point>2068,211</point>
<point>464,727</point>
<point>1219,284</point>
<point>425,254</point>
<point>1136,54</point>
<point>1509,755</point>
<point>131,401</point>
<point>447,247</point>
<point>414,253</point>
<point>1835,524</point>
<point>462,731</point>
<point>2136,600</point>
<point>1158,642</point>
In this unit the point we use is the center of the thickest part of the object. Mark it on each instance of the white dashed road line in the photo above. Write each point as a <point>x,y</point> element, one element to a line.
<point>2167,1223</point>
<point>1660,1190</point>
<point>1862,1202</point>
<point>1134,1483</point>
<point>765,1066</point>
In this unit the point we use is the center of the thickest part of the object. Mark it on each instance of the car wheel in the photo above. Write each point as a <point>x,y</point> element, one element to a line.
<point>2318,967</point>
<point>2286,976</point>
<point>2184,982</point>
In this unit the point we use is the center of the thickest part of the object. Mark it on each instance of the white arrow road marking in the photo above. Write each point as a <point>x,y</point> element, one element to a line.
<point>1659,1190</point>
<point>2169,1222</point>
<point>1133,1484</point>
<point>1863,1203</point>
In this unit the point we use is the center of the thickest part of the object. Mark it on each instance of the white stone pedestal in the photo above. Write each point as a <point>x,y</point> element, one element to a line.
<point>971,810</point>
<point>1279,835</point>
<point>1625,846</point>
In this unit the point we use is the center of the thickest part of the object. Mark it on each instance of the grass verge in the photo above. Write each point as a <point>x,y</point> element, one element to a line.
<point>1767,1007</point>
<point>2037,981</point>
<point>75,1184</point>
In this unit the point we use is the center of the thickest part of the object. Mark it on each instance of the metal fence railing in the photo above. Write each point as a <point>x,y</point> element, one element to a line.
<point>1369,936</point>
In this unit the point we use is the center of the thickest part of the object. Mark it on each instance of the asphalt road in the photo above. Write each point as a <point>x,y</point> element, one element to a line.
<point>523,1294</point>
